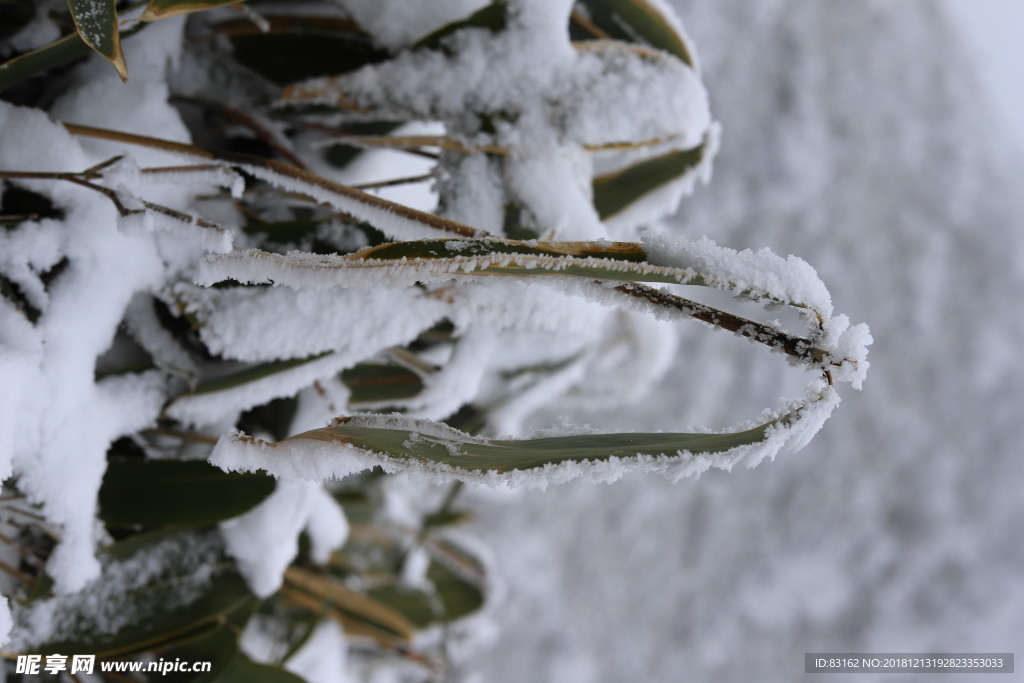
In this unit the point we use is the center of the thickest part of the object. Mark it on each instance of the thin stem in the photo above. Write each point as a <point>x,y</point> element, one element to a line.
<point>589,26</point>
<point>282,169</point>
<point>243,119</point>
<point>396,181</point>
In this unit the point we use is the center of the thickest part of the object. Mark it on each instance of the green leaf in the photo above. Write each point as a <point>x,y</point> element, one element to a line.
<point>96,21</point>
<point>381,383</point>
<point>460,452</point>
<point>161,9</point>
<point>251,374</point>
<point>638,21</point>
<point>173,602</point>
<point>616,191</point>
<point>58,53</point>
<point>173,493</point>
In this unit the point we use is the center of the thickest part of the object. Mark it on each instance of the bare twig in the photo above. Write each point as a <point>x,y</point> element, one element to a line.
<point>797,347</point>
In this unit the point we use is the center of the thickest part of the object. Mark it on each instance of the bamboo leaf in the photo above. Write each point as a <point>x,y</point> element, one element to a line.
<point>96,21</point>
<point>162,9</point>
<point>638,20</point>
<point>58,53</point>
<point>616,191</point>
<point>471,454</point>
<point>251,374</point>
<point>433,261</point>
<point>170,493</point>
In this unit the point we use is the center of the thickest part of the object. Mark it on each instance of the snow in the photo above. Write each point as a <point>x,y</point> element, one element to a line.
<point>844,143</point>
<point>115,601</point>
<point>264,540</point>
<point>884,533</point>
<point>63,420</point>
<point>259,324</point>
<point>326,526</point>
<point>323,658</point>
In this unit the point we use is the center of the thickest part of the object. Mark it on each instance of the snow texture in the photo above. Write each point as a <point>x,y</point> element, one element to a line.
<point>59,420</point>
<point>319,461</point>
<point>116,600</point>
<point>265,540</point>
<point>846,128</point>
<point>322,659</point>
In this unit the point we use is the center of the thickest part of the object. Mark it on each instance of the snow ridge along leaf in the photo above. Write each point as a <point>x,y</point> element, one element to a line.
<point>401,443</point>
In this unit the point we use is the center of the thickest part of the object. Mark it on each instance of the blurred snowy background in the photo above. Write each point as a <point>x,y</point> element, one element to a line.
<point>868,138</point>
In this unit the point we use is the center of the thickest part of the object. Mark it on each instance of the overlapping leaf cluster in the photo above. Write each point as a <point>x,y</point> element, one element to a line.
<point>271,122</point>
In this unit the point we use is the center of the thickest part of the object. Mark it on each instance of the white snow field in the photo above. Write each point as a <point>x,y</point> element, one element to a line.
<point>856,136</point>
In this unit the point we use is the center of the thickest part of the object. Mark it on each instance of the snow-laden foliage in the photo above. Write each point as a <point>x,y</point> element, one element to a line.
<point>203,265</point>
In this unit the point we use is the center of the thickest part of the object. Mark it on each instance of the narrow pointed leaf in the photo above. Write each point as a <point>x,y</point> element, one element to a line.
<point>96,21</point>
<point>638,20</point>
<point>58,53</point>
<point>472,454</point>
<point>251,374</point>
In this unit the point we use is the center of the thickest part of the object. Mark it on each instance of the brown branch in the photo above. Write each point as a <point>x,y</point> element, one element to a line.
<point>396,181</point>
<point>797,347</point>
<point>282,169</point>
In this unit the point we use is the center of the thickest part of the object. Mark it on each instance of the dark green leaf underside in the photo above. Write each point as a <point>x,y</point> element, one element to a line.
<point>252,374</point>
<point>171,493</point>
